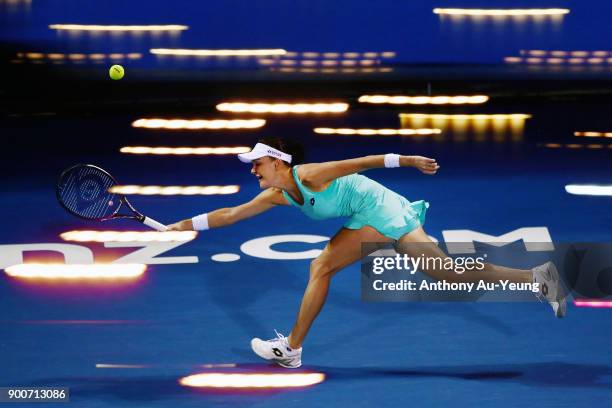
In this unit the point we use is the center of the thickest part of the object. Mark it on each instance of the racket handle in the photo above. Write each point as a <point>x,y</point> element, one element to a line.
<point>149,222</point>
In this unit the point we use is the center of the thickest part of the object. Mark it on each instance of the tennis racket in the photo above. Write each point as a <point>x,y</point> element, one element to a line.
<point>83,190</point>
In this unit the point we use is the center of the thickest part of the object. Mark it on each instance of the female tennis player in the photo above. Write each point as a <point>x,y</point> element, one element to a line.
<point>377,214</point>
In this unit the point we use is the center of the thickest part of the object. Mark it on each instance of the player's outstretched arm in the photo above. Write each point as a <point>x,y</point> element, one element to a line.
<point>321,173</point>
<point>227,216</point>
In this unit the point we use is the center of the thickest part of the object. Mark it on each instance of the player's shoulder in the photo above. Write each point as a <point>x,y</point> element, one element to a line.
<point>307,171</point>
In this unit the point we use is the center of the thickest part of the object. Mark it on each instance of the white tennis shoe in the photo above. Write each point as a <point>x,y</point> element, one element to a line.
<point>551,287</point>
<point>278,350</point>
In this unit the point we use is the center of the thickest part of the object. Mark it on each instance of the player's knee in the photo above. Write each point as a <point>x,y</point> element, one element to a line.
<point>320,269</point>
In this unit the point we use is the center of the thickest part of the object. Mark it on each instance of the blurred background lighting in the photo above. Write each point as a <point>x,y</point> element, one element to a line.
<point>593,134</point>
<point>358,70</point>
<point>463,116</point>
<point>371,132</point>
<point>593,303</point>
<point>198,123</point>
<point>76,272</point>
<point>233,380</point>
<point>500,12</point>
<point>594,146</point>
<point>317,63</point>
<point>91,27</point>
<point>499,127</point>
<point>128,236</point>
<point>184,150</point>
<point>559,57</point>
<point>217,53</point>
<point>424,100</point>
<point>128,366</point>
<point>336,107</point>
<point>589,189</point>
<point>174,190</point>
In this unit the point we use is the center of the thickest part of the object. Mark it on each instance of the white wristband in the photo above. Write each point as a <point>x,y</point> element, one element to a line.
<point>392,160</point>
<point>200,222</point>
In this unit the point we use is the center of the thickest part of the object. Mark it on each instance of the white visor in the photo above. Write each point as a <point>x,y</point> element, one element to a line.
<point>261,150</point>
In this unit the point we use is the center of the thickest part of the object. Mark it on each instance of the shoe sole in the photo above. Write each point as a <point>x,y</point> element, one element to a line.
<point>288,366</point>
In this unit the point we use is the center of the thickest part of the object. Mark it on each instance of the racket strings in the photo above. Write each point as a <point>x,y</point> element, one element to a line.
<point>84,191</point>
<point>104,201</point>
<point>73,195</point>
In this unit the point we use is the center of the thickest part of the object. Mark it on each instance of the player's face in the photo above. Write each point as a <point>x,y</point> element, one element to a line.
<point>263,169</point>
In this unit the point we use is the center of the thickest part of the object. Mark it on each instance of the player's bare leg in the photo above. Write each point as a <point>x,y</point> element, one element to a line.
<point>342,250</point>
<point>416,244</point>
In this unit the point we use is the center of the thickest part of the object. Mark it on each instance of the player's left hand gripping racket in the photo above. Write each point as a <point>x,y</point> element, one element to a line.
<point>83,190</point>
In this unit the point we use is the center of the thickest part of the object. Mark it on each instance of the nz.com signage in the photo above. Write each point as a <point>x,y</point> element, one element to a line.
<point>152,253</point>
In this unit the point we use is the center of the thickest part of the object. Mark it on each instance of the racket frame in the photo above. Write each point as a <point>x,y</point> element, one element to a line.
<point>122,200</point>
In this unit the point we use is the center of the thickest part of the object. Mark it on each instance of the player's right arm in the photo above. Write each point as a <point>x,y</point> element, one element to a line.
<point>226,216</point>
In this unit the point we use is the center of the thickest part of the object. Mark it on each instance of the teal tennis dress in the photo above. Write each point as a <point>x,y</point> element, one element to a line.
<point>365,201</point>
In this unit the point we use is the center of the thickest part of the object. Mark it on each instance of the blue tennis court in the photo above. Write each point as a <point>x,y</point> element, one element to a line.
<point>513,103</point>
<point>129,344</point>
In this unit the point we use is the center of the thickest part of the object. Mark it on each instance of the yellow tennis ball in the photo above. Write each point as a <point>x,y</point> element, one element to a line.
<point>116,72</point>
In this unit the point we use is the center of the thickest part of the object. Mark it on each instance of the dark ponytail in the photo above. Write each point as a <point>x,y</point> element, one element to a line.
<point>289,146</point>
